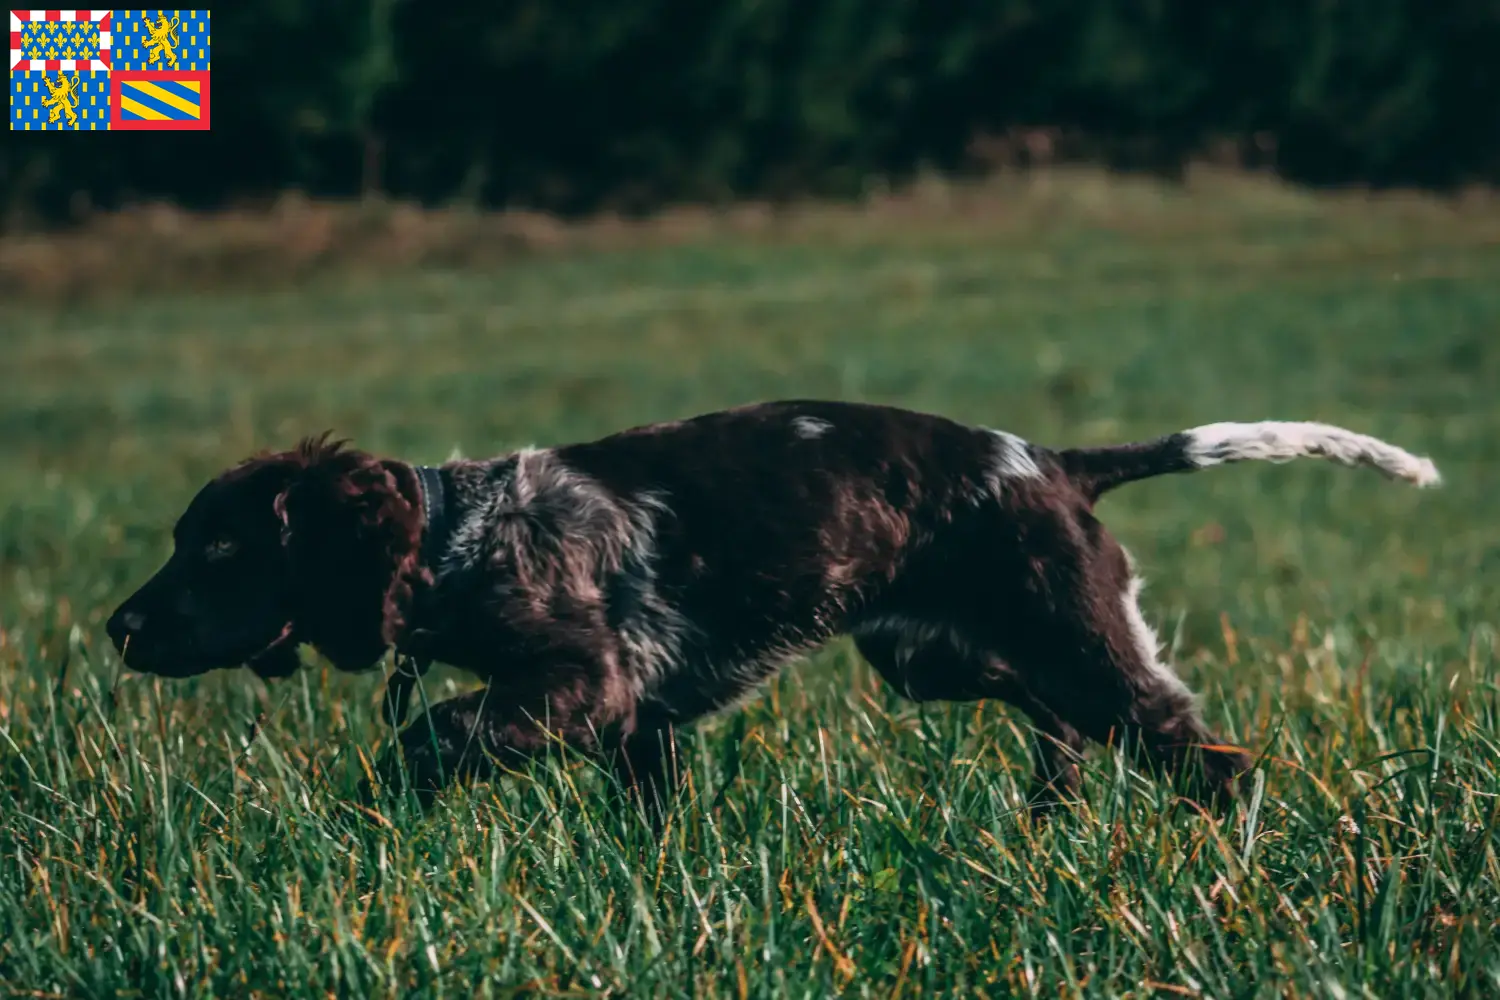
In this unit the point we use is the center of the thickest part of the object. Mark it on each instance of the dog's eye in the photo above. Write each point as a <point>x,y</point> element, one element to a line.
<point>221,549</point>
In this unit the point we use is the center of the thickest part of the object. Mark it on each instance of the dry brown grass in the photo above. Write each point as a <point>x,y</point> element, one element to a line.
<point>161,248</point>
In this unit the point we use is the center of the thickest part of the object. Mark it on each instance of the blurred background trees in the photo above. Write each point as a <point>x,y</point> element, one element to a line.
<point>627,104</point>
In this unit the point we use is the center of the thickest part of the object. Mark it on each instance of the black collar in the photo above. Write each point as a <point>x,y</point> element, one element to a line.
<point>436,514</point>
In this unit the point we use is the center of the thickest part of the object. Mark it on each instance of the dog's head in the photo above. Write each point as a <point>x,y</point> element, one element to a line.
<point>320,544</point>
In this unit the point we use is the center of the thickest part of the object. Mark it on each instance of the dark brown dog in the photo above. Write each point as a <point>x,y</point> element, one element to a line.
<point>612,590</point>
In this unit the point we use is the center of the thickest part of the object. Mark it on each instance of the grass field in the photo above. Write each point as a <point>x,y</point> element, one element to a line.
<point>157,840</point>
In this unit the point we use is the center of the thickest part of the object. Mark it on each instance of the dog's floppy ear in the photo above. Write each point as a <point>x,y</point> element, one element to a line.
<point>352,526</point>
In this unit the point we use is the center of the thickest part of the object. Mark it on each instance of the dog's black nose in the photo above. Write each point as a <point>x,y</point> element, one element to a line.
<point>123,624</point>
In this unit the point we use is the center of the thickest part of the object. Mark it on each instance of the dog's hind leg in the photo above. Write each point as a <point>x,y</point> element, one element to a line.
<point>1086,649</point>
<point>930,668</point>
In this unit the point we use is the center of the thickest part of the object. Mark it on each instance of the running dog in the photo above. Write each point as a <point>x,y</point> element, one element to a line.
<point>608,592</point>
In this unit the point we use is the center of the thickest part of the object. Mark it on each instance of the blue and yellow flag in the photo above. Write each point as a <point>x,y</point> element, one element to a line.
<point>96,70</point>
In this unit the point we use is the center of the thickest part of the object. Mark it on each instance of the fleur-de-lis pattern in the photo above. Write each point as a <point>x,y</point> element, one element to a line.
<point>60,40</point>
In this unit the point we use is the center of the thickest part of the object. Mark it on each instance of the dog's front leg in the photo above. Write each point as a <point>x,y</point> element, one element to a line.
<point>468,737</point>
<point>647,767</point>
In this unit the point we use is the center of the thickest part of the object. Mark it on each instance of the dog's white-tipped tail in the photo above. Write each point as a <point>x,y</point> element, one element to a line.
<point>1282,441</point>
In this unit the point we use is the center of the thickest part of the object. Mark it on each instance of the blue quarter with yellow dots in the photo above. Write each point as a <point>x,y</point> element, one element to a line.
<point>162,39</point>
<point>60,101</point>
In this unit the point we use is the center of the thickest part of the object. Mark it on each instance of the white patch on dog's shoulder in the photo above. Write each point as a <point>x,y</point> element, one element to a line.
<point>562,536</point>
<point>653,632</point>
<point>810,427</point>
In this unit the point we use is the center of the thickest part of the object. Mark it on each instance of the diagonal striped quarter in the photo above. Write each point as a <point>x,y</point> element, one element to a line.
<point>161,100</point>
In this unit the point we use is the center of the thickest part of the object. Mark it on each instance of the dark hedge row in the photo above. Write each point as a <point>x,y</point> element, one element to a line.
<point>570,104</point>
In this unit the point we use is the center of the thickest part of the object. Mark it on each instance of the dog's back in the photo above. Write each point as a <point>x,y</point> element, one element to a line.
<point>774,527</point>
